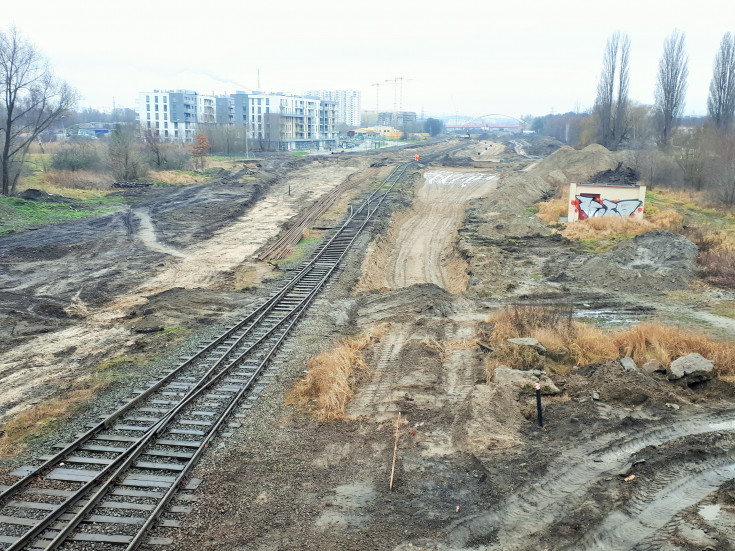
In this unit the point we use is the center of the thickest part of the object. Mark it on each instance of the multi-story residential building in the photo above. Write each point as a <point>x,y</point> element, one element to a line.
<point>274,120</point>
<point>349,104</point>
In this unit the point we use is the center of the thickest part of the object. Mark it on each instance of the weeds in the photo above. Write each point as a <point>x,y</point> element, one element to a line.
<point>331,376</point>
<point>570,342</point>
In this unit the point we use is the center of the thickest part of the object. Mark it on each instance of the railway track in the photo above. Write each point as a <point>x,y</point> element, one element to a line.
<point>130,471</point>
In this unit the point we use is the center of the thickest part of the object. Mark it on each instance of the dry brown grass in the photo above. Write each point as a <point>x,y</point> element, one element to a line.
<point>79,179</point>
<point>550,211</point>
<point>666,343</point>
<point>331,376</point>
<point>177,177</point>
<point>34,420</point>
<point>612,226</point>
<point>569,342</point>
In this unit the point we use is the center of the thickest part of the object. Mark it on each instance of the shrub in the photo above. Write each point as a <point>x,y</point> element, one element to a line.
<point>78,156</point>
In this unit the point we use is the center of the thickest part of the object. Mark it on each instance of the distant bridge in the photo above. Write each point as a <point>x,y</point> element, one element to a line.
<point>494,121</point>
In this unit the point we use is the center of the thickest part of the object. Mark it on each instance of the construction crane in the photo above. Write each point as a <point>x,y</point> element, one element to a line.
<point>397,96</point>
<point>377,102</point>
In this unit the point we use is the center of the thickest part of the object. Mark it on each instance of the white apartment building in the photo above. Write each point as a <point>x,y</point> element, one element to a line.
<point>349,104</point>
<point>275,120</point>
<point>173,114</point>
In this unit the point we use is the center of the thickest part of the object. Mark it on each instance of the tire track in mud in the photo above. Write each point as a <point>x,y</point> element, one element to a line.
<point>568,478</point>
<point>680,486</point>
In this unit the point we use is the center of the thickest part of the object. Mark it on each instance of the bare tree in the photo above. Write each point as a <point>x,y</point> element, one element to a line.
<point>154,147</point>
<point>611,111</point>
<point>124,151</point>
<point>671,86</point>
<point>32,99</point>
<point>721,100</point>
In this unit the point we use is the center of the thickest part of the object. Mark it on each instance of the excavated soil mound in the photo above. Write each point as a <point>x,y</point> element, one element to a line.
<point>567,164</point>
<point>652,262</point>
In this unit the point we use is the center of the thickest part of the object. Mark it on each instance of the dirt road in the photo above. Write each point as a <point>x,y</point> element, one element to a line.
<point>420,247</point>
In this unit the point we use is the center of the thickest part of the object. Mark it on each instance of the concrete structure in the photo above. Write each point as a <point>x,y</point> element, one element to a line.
<point>597,200</point>
<point>348,104</point>
<point>272,120</point>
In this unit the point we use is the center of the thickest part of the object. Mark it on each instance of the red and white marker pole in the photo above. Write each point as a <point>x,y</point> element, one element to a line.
<point>538,404</point>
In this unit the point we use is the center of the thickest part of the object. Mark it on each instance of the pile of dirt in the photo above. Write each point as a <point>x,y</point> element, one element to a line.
<point>621,176</point>
<point>568,165</point>
<point>652,262</point>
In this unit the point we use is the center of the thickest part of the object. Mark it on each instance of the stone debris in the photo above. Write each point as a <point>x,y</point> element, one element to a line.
<point>691,369</point>
<point>525,380</point>
<point>628,364</point>
<point>529,341</point>
<point>653,366</point>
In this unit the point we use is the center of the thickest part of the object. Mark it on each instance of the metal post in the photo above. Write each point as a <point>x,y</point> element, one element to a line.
<point>538,404</point>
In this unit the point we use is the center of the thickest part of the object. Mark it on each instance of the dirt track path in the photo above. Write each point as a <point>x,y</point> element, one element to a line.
<point>420,244</point>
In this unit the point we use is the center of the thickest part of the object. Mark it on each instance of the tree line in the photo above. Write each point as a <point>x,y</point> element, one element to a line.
<point>696,152</point>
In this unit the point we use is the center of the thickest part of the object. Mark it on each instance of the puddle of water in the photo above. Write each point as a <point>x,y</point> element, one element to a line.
<point>709,512</point>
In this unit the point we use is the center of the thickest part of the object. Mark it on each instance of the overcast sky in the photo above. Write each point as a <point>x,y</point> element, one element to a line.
<point>461,56</point>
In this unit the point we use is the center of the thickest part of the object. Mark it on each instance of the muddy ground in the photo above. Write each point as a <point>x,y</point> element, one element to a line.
<point>473,470</point>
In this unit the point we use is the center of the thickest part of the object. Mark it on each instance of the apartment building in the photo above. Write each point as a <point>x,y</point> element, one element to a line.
<point>275,120</point>
<point>348,103</point>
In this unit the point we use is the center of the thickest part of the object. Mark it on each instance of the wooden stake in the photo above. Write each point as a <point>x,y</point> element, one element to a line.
<point>395,451</point>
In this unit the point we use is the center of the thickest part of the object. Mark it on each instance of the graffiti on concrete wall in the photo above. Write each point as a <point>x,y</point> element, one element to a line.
<point>592,206</point>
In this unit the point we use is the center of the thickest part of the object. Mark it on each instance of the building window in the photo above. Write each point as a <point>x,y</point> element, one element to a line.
<point>165,125</point>
<point>156,107</point>
<point>149,124</point>
<point>156,116</point>
<point>148,116</point>
<point>157,125</point>
<point>176,133</point>
<point>165,99</point>
<point>147,99</point>
<point>156,99</point>
<point>165,108</point>
<point>147,106</point>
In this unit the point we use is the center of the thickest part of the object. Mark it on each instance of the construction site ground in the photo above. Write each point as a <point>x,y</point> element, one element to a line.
<point>458,242</point>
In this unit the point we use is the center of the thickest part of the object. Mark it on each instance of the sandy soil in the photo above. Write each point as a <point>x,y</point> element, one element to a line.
<point>96,330</point>
<point>420,247</point>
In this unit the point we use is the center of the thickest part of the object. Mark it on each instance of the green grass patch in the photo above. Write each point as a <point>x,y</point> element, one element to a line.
<point>302,249</point>
<point>17,214</point>
<point>693,213</point>
<point>602,245</point>
<point>299,153</point>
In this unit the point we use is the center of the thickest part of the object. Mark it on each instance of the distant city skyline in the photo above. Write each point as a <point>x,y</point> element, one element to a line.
<point>472,58</point>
